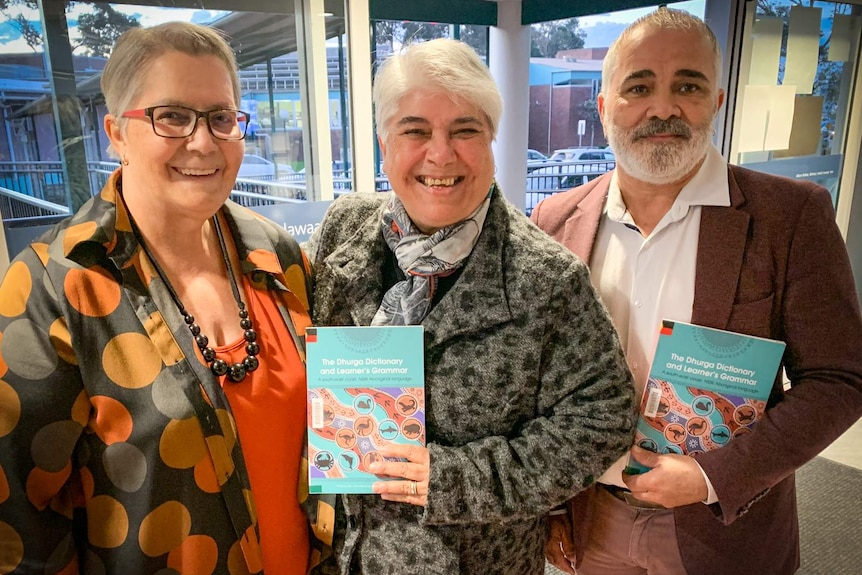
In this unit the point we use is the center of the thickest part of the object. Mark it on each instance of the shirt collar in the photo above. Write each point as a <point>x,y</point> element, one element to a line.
<point>103,220</point>
<point>708,187</point>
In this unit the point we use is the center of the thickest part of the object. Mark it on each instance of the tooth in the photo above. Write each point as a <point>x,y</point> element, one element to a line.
<point>191,172</point>
<point>439,181</point>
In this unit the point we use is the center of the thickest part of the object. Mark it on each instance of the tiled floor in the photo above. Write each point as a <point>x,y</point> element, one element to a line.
<point>847,449</point>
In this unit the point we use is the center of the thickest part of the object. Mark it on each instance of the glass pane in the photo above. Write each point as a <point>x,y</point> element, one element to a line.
<point>69,58</point>
<point>389,35</point>
<point>29,150</point>
<point>794,95</point>
<point>565,80</point>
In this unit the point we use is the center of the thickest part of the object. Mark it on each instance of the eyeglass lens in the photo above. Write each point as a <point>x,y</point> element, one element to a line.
<point>179,122</point>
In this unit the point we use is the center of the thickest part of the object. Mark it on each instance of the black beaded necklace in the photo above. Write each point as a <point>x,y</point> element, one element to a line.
<point>236,372</point>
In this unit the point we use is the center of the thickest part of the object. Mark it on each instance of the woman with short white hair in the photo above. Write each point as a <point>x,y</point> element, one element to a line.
<point>528,396</point>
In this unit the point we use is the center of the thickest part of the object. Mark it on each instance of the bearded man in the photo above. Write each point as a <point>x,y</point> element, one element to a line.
<point>676,233</point>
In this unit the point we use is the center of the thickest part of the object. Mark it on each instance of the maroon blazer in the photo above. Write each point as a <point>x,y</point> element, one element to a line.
<point>772,264</point>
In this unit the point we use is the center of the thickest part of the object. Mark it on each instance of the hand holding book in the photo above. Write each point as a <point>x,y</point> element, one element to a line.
<point>365,393</point>
<point>412,464</point>
<point>705,387</point>
<point>671,480</point>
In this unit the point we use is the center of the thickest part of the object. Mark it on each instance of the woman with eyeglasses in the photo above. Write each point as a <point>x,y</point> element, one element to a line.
<point>152,386</point>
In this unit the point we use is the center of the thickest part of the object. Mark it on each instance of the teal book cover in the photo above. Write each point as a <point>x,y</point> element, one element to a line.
<point>705,387</point>
<point>366,388</point>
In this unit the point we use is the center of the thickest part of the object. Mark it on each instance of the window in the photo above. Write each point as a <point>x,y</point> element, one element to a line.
<point>566,73</point>
<point>795,89</point>
<point>53,148</point>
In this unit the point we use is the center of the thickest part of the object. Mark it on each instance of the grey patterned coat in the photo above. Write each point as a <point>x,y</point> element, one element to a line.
<point>528,395</point>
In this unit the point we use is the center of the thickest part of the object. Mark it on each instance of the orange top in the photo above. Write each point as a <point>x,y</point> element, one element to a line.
<point>269,409</point>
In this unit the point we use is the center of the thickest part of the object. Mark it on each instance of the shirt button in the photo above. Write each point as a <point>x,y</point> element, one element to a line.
<point>638,303</point>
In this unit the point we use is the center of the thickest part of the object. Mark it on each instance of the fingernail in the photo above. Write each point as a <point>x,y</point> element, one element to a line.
<point>375,467</point>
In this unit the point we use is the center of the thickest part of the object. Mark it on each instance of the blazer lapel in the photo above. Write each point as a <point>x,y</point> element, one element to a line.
<point>357,268</point>
<point>583,225</point>
<point>478,300</point>
<point>720,249</point>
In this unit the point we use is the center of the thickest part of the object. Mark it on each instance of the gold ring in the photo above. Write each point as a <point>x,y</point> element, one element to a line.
<point>413,488</point>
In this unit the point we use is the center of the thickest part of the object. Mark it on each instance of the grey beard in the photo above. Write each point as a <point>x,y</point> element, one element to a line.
<point>662,163</point>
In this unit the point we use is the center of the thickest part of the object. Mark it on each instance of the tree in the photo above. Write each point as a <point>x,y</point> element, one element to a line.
<point>5,4</point>
<point>476,37</point>
<point>101,29</point>
<point>548,38</point>
<point>828,80</point>
<point>421,31</point>
<point>384,31</point>
<point>589,111</point>
<point>30,32</point>
<point>394,33</point>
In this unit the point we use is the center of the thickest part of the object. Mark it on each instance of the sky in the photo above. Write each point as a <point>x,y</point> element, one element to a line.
<point>601,29</point>
<point>11,42</point>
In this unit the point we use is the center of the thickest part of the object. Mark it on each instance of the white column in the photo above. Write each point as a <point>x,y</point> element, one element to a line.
<point>361,107</point>
<point>724,17</point>
<point>314,94</point>
<point>509,61</point>
<point>4,251</point>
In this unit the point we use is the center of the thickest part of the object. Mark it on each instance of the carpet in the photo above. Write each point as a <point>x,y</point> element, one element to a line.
<point>829,496</point>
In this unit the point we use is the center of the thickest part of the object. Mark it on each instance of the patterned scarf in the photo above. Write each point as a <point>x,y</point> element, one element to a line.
<point>423,259</point>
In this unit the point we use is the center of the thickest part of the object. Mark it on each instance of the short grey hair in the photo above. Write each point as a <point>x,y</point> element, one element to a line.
<point>663,18</point>
<point>134,52</point>
<point>450,66</point>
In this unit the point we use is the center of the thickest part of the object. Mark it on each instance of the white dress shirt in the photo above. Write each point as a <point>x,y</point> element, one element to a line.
<point>643,280</point>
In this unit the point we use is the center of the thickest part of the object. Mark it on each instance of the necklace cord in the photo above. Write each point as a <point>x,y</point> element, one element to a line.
<point>237,371</point>
<point>234,288</point>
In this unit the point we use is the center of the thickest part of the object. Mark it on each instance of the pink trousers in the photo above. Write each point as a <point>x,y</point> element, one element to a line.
<point>626,540</point>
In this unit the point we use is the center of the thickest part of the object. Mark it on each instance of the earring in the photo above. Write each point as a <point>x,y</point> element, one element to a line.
<point>125,161</point>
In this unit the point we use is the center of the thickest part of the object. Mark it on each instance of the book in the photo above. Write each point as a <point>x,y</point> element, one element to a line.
<point>705,387</point>
<point>366,388</point>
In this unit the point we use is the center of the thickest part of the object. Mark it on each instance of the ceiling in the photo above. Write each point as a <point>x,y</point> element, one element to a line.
<point>484,12</point>
<point>257,36</point>
<point>481,12</point>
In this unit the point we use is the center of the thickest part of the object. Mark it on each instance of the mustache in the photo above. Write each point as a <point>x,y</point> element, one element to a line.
<point>655,126</point>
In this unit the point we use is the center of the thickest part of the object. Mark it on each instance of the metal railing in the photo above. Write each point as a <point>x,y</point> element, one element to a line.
<point>42,180</point>
<point>15,205</point>
<point>291,189</point>
<point>31,189</point>
<point>99,173</point>
<point>553,177</point>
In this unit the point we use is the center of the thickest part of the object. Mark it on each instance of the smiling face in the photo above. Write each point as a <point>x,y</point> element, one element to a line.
<point>659,109</point>
<point>193,175</point>
<point>437,157</point>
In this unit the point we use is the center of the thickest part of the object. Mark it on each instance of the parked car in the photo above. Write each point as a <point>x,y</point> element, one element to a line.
<point>566,169</point>
<point>256,167</point>
<point>582,155</point>
<point>535,159</point>
<point>571,167</point>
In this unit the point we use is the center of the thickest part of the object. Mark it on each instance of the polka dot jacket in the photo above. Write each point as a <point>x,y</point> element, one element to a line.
<point>118,454</point>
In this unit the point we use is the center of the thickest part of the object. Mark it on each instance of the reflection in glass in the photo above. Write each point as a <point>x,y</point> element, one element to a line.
<point>801,61</point>
<point>51,94</point>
